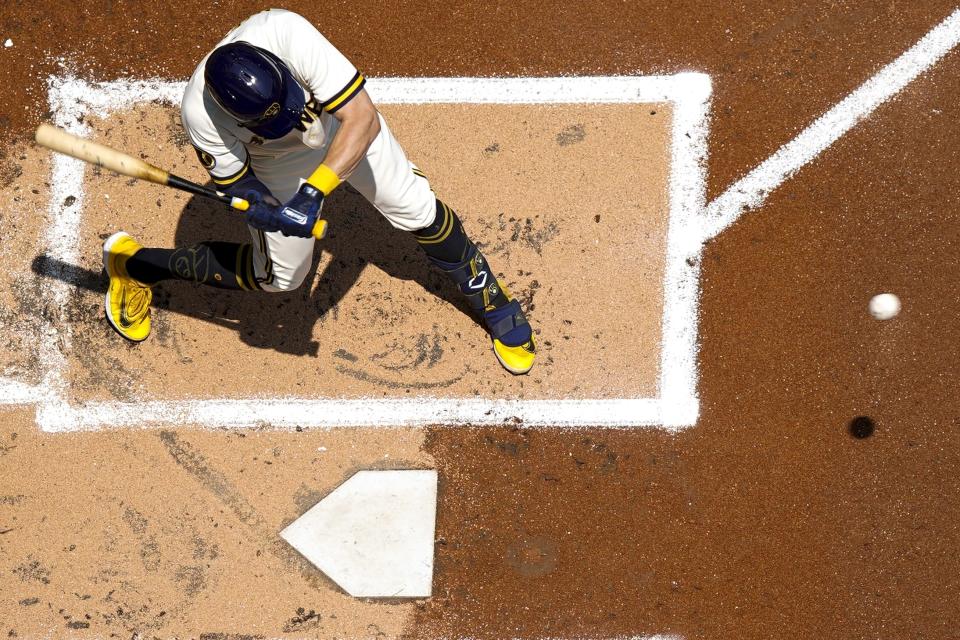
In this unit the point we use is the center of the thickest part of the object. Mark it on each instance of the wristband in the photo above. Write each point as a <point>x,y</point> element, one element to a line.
<point>324,179</point>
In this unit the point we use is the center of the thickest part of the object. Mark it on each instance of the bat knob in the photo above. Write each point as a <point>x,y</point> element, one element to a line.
<point>320,229</point>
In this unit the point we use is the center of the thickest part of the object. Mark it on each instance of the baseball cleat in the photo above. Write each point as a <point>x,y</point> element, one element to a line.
<point>512,336</point>
<point>127,302</point>
<point>516,360</point>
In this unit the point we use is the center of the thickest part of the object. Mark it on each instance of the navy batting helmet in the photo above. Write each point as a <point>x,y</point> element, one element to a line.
<point>255,87</point>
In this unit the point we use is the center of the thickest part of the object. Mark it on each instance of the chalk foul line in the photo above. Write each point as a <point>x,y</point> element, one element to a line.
<point>752,190</point>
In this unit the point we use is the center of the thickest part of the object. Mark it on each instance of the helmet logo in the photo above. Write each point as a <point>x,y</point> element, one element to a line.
<point>272,110</point>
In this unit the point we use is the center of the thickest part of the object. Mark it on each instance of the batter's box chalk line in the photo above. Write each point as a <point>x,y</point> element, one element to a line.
<point>676,407</point>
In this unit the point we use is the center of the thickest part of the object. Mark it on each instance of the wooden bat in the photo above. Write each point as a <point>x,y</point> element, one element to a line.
<point>66,143</point>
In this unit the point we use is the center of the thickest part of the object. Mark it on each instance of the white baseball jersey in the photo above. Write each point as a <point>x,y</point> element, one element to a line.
<point>329,79</point>
<point>385,177</point>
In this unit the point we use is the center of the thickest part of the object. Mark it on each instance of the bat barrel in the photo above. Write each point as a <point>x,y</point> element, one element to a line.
<point>66,143</point>
<point>89,151</point>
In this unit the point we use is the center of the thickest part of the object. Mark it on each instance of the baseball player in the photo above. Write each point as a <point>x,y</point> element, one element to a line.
<point>280,117</point>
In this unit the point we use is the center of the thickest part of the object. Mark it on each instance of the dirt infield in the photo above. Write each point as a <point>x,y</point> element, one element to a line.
<point>765,519</point>
<point>385,323</point>
<point>173,534</point>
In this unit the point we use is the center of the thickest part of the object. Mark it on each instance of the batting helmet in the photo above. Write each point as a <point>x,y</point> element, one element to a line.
<point>255,87</point>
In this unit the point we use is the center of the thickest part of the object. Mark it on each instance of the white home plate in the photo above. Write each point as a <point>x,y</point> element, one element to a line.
<point>374,534</point>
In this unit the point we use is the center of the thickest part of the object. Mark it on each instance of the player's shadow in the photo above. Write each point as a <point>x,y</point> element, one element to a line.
<point>357,236</point>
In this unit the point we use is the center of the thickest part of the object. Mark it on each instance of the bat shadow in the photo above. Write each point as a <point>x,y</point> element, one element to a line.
<point>357,236</point>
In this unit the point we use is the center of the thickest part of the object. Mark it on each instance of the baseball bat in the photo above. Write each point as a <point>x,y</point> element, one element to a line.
<point>68,144</point>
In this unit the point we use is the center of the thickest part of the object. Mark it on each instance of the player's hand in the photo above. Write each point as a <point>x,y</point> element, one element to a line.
<point>299,215</point>
<point>264,211</point>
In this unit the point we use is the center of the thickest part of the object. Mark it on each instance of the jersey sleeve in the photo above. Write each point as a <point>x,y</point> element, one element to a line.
<point>221,154</point>
<point>327,74</point>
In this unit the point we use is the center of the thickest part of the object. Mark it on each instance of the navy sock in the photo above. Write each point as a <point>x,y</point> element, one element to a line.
<point>224,265</point>
<point>445,238</point>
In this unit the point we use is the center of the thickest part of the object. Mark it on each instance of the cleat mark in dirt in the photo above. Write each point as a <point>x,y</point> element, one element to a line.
<point>192,579</point>
<point>204,550</point>
<point>150,554</point>
<point>533,233</point>
<point>571,135</point>
<point>135,520</point>
<point>426,349</point>
<point>32,571</point>
<point>363,376</point>
<point>343,354</point>
<point>303,621</point>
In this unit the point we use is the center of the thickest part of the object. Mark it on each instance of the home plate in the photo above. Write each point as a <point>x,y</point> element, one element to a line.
<point>374,534</point>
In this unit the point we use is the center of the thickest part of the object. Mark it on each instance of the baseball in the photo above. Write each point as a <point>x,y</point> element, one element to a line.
<point>884,306</point>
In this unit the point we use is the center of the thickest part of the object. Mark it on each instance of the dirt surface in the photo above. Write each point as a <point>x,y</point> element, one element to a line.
<point>385,322</point>
<point>174,533</point>
<point>21,301</point>
<point>767,519</point>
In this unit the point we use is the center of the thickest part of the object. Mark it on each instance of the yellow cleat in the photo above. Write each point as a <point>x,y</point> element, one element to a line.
<point>516,360</point>
<point>509,321</point>
<point>127,302</point>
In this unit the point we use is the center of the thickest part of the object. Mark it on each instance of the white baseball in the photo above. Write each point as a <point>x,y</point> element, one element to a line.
<point>884,306</point>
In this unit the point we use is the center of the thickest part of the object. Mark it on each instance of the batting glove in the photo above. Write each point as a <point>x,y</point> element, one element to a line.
<point>264,211</point>
<point>299,215</point>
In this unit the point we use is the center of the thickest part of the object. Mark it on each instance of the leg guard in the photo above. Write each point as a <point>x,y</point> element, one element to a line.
<point>475,279</point>
<point>447,246</point>
<point>511,333</point>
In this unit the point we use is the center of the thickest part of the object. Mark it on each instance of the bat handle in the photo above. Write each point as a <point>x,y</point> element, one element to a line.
<point>239,204</point>
<point>320,229</point>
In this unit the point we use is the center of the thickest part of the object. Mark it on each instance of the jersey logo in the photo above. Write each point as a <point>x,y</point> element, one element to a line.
<point>271,111</point>
<point>207,160</point>
<point>309,114</point>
